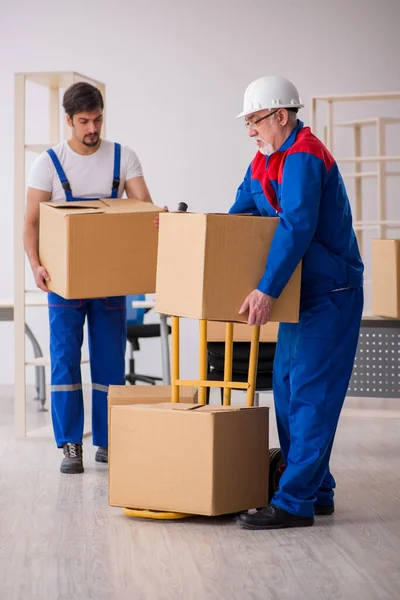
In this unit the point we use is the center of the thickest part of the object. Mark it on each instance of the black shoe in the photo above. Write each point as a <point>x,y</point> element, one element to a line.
<point>273,517</point>
<point>101,455</point>
<point>72,462</point>
<point>324,509</point>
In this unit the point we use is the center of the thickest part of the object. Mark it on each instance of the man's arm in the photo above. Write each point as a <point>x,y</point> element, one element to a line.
<point>137,188</point>
<point>31,234</point>
<point>135,184</point>
<point>303,178</point>
<point>302,183</point>
<point>244,202</point>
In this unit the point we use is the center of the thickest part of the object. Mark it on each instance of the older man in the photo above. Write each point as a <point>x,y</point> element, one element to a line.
<point>293,176</point>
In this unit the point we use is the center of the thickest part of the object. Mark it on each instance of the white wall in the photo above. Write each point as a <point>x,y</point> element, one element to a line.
<point>175,74</point>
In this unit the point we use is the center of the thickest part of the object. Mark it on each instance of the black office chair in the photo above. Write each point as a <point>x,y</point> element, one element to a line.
<point>137,330</point>
<point>240,364</point>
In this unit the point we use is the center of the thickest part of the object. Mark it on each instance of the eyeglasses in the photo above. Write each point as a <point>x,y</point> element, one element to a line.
<point>254,123</point>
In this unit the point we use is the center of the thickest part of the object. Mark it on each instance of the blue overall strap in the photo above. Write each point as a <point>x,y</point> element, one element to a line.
<point>117,167</point>
<point>61,175</point>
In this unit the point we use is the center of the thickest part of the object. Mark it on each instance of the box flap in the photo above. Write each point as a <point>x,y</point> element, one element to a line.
<point>108,205</point>
<point>219,214</point>
<point>219,409</point>
<point>97,204</point>
<point>129,205</point>
<point>176,406</point>
<point>160,406</point>
<point>158,393</point>
<point>79,208</point>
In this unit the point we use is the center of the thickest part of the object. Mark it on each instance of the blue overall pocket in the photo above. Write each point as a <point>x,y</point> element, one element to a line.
<point>116,302</point>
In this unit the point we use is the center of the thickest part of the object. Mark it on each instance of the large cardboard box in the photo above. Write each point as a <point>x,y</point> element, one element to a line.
<point>241,332</point>
<point>208,264</point>
<point>94,249</point>
<point>386,278</point>
<point>203,460</point>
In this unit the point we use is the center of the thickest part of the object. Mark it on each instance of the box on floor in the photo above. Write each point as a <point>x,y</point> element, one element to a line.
<point>205,460</point>
<point>386,278</point>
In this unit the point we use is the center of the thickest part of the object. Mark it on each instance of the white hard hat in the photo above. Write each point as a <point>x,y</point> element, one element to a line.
<point>270,92</point>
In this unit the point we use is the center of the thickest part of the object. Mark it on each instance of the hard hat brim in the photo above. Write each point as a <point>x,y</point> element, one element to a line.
<point>245,113</point>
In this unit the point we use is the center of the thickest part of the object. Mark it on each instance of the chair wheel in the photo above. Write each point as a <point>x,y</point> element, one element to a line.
<point>276,469</point>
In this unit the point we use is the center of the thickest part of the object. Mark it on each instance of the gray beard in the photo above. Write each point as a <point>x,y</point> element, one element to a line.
<point>266,148</point>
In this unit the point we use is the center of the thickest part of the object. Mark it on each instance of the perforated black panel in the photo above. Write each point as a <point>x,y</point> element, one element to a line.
<point>377,367</point>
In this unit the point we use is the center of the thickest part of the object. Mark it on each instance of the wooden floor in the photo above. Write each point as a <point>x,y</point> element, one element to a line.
<point>59,540</point>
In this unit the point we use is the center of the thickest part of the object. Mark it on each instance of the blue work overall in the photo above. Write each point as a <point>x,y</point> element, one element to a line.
<point>107,342</point>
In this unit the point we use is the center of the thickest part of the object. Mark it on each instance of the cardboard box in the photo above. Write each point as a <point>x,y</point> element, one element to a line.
<point>208,264</point>
<point>386,278</point>
<point>203,460</point>
<point>94,249</point>
<point>241,332</point>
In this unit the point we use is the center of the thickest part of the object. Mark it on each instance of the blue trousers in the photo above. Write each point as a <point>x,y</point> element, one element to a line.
<point>106,318</point>
<point>312,369</point>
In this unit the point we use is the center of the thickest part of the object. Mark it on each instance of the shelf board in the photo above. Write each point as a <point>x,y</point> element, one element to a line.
<point>57,79</point>
<point>34,300</point>
<point>359,97</point>
<point>369,159</point>
<point>361,174</point>
<point>43,361</point>
<point>37,148</point>
<point>38,301</point>
<point>369,122</point>
<point>6,303</point>
<point>363,225</point>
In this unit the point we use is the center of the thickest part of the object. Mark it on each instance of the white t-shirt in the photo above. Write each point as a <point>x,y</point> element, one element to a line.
<point>89,176</point>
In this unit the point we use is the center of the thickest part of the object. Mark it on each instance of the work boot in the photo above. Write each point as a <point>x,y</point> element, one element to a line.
<point>101,455</point>
<point>324,509</point>
<point>72,462</point>
<point>273,517</point>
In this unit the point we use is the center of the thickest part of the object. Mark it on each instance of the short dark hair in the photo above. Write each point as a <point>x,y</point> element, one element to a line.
<point>82,97</point>
<point>294,110</point>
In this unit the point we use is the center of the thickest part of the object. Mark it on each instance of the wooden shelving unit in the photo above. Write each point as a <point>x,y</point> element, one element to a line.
<point>23,297</point>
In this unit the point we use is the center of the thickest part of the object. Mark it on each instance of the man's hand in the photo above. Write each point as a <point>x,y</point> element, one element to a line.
<point>259,306</point>
<point>41,276</point>
<point>157,218</point>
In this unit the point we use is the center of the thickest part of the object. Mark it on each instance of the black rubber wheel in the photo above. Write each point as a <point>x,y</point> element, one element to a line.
<point>276,468</point>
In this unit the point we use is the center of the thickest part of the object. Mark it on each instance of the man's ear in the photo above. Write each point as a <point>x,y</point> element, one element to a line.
<point>283,116</point>
<point>69,121</point>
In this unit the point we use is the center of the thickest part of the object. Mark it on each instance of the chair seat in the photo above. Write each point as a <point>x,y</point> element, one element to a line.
<point>240,366</point>
<point>241,356</point>
<point>144,330</point>
<point>241,350</point>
